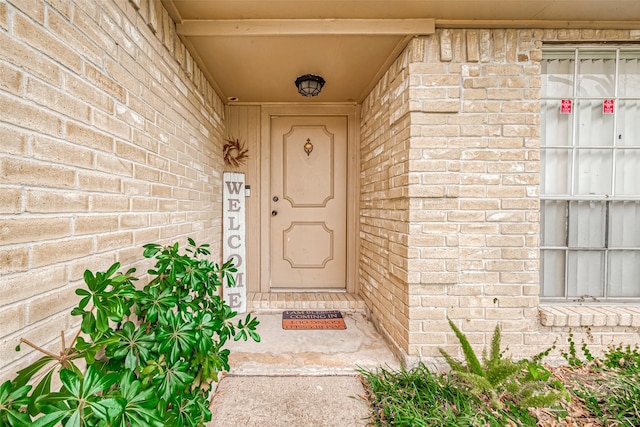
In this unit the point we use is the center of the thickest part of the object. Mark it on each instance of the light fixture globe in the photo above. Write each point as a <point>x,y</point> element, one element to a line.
<point>309,85</point>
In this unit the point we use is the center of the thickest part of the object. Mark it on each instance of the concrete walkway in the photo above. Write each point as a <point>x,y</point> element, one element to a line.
<point>299,378</point>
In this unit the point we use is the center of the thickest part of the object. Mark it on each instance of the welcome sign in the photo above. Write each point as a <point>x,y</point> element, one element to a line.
<point>234,238</point>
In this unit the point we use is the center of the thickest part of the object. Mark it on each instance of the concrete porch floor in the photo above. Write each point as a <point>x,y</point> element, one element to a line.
<point>301,377</point>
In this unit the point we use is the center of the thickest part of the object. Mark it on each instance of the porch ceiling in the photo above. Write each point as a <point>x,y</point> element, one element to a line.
<point>255,49</point>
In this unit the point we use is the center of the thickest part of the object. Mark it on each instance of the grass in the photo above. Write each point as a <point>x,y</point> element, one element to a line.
<point>623,401</point>
<point>604,392</point>
<point>615,400</point>
<point>419,398</point>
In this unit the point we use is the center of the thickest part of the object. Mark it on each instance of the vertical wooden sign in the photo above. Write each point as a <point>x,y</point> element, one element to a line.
<point>233,236</point>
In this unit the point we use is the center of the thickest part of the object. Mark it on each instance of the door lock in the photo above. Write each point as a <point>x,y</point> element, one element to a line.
<point>275,198</point>
<point>274,213</point>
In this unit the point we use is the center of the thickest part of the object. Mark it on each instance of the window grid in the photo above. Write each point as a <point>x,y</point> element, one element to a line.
<point>574,196</point>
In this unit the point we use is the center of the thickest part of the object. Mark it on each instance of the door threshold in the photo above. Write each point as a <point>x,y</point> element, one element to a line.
<point>307,290</point>
<point>278,301</point>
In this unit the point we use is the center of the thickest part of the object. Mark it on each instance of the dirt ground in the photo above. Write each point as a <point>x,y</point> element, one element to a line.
<point>577,414</point>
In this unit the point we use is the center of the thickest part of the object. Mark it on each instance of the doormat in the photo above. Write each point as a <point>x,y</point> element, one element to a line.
<point>312,320</point>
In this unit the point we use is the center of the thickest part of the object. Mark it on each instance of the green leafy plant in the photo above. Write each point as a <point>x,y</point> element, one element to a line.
<point>538,357</point>
<point>523,383</point>
<point>571,355</point>
<point>625,359</point>
<point>142,357</point>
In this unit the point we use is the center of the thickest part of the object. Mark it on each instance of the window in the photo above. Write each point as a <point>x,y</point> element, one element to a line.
<point>590,189</point>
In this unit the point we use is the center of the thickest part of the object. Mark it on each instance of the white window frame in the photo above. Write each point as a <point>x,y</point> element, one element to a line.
<point>573,198</point>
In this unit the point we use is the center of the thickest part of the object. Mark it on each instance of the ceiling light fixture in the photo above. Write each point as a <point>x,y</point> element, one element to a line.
<point>309,85</point>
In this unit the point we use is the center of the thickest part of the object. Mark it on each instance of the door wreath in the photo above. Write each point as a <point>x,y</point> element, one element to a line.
<point>234,152</point>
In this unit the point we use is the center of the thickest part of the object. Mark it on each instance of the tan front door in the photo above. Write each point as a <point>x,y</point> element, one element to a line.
<point>308,202</point>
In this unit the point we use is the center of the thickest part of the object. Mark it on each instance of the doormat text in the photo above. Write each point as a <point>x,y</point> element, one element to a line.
<point>312,320</point>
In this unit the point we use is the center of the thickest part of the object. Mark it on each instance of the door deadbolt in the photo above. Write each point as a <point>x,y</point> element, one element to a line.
<point>274,213</point>
<point>275,198</point>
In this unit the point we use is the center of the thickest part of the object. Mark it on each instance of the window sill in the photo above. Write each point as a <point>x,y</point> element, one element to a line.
<point>590,315</point>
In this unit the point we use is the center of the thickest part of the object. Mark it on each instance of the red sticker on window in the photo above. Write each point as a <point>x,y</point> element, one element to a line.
<point>565,106</point>
<point>608,106</point>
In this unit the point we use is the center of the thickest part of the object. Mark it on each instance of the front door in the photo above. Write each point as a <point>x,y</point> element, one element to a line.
<point>308,202</point>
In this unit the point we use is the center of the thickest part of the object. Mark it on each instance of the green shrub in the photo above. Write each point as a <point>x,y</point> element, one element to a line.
<point>141,357</point>
<point>525,383</point>
<point>625,359</point>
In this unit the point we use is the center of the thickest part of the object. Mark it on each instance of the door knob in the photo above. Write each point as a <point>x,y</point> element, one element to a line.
<point>274,213</point>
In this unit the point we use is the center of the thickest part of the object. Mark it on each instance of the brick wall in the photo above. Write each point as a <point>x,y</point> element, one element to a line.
<point>450,185</point>
<point>109,139</point>
<point>384,204</point>
<point>475,174</point>
<point>450,195</point>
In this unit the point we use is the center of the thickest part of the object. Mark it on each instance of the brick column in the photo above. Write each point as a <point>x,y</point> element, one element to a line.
<point>450,174</point>
<point>474,173</point>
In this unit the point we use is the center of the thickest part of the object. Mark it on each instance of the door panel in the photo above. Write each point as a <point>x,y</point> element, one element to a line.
<point>308,202</point>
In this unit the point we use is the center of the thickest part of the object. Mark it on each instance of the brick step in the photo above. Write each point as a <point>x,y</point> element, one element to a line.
<point>278,301</point>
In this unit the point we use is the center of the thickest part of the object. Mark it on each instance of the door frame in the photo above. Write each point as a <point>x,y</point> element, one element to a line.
<point>353,184</point>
